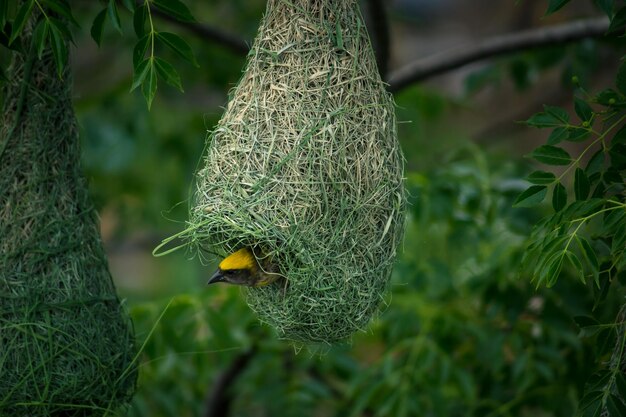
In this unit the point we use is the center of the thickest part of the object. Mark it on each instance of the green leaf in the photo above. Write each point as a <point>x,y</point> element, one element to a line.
<point>606,6</point>
<point>554,5</point>
<point>591,396</point>
<point>599,380</point>
<point>583,110</point>
<point>584,208</point>
<point>620,384</point>
<point>551,117</point>
<point>59,48</point>
<point>4,39</point>
<point>141,71</point>
<point>617,153</point>
<point>176,9</point>
<point>97,28</point>
<point>620,79</point>
<point>608,97</point>
<point>577,134</point>
<point>39,36</point>
<point>578,266</point>
<point>62,27</point>
<point>542,120</point>
<point>591,404</point>
<point>4,9</point>
<point>554,269</point>
<point>618,21</point>
<point>168,73</point>
<point>541,178</point>
<point>21,17</point>
<point>62,8</point>
<point>591,257</point>
<point>596,162</point>
<point>178,45</point>
<point>532,196</point>
<point>544,254</point>
<point>551,155</point>
<point>149,85</point>
<point>605,342</point>
<point>139,20</point>
<point>612,175</point>
<point>615,406</point>
<point>619,136</point>
<point>619,240</point>
<point>600,294</point>
<point>599,190</point>
<point>559,197</point>
<point>612,219</point>
<point>130,5</point>
<point>559,134</point>
<point>114,15</point>
<point>557,112</point>
<point>581,184</point>
<point>139,51</point>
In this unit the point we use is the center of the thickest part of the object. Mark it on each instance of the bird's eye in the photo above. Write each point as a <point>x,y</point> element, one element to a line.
<point>228,272</point>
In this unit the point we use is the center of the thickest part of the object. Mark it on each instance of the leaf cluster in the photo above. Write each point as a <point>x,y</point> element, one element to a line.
<point>589,220</point>
<point>461,335</point>
<point>54,23</point>
<point>52,28</point>
<point>586,232</point>
<point>147,66</point>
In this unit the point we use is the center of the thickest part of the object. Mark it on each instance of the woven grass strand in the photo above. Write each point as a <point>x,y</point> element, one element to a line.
<point>305,165</point>
<point>66,343</point>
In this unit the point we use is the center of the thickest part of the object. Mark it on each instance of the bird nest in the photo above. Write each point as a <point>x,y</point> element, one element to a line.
<point>305,166</point>
<point>66,343</point>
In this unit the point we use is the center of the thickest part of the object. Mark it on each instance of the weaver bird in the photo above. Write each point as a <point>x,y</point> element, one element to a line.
<point>242,268</point>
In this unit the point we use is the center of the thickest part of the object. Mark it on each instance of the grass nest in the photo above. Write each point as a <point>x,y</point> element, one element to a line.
<point>66,343</point>
<point>305,166</point>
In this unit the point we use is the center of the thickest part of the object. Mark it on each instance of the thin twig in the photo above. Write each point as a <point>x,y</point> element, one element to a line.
<point>430,66</point>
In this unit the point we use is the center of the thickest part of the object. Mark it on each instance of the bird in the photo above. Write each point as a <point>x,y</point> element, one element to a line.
<point>243,268</point>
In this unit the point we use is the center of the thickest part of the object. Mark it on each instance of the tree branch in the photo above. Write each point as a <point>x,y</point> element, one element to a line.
<point>220,398</point>
<point>380,33</point>
<point>227,40</point>
<point>434,65</point>
<point>437,64</point>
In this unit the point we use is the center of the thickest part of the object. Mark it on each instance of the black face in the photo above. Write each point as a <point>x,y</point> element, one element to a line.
<point>232,276</point>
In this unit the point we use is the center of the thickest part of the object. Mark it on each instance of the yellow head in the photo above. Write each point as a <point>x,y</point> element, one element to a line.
<point>242,259</point>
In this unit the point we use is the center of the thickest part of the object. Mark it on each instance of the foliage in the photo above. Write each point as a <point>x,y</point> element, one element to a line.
<point>54,30</point>
<point>484,317</point>
<point>587,230</point>
<point>461,336</point>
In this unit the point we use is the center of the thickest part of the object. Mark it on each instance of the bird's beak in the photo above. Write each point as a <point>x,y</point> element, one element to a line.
<point>217,277</point>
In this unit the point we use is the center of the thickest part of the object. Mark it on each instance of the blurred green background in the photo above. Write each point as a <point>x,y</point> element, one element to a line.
<point>461,332</point>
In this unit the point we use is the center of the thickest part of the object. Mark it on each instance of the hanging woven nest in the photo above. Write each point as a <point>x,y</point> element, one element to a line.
<point>305,166</point>
<point>66,343</point>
